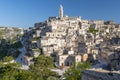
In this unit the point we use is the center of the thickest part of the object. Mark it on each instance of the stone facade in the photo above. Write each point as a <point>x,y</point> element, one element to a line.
<point>68,60</point>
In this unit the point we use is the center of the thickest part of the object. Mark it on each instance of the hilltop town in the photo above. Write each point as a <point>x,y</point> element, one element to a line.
<point>72,40</point>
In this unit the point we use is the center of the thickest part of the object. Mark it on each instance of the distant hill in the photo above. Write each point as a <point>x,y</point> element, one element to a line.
<point>10,32</point>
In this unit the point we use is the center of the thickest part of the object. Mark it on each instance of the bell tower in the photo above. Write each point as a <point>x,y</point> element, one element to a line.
<point>61,12</point>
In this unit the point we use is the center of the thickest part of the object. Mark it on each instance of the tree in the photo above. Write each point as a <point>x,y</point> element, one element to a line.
<point>41,67</point>
<point>4,47</point>
<point>7,59</point>
<point>92,30</point>
<point>40,70</point>
<point>52,78</point>
<point>43,61</point>
<point>12,71</point>
<point>75,72</point>
<point>16,45</point>
<point>8,71</point>
<point>25,75</point>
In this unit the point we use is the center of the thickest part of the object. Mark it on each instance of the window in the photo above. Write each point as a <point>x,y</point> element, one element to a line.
<point>118,63</point>
<point>62,58</point>
<point>48,34</point>
<point>52,34</point>
<point>77,59</point>
<point>62,64</point>
<point>111,74</point>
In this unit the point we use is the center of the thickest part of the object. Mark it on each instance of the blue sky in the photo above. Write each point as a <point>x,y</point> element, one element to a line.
<point>24,13</point>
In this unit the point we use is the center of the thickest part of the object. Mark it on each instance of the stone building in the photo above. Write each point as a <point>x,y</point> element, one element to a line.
<point>114,60</point>
<point>63,34</point>
<point>68,60</point>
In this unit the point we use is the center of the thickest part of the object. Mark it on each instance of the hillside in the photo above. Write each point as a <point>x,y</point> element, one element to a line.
<point>9,39</point>
<point>10,32</point>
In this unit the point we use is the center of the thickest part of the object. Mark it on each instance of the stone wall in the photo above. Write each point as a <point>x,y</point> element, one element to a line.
<point>99,74</point>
